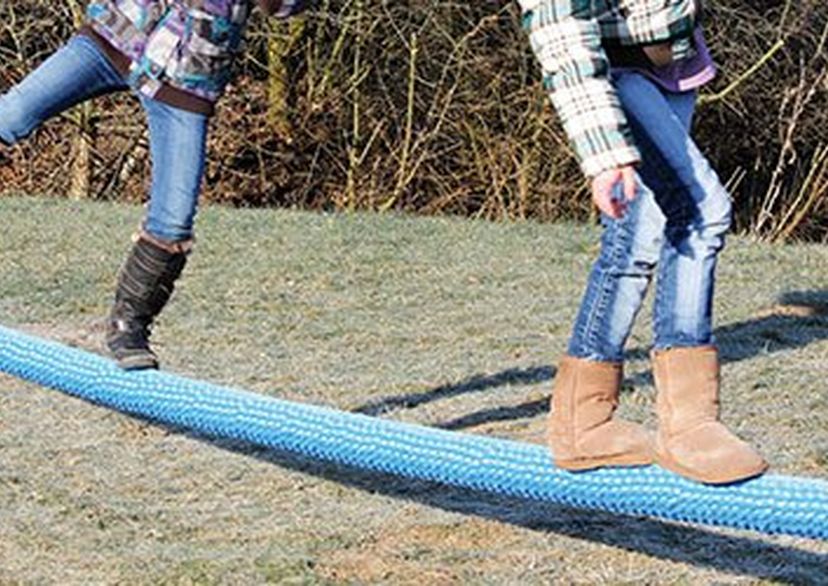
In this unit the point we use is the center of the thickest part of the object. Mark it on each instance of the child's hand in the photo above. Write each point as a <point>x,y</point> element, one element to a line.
<point>604,193</point>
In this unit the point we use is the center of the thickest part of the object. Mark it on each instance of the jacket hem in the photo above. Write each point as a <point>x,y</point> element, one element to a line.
<point>167,93</point>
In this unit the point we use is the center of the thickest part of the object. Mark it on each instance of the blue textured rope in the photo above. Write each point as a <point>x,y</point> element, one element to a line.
<point>771,504</point>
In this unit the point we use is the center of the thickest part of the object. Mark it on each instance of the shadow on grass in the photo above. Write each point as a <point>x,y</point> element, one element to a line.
<point>526,410</point>
<point>695,546</point>
<point>475,384</point>
<point>799,319</point>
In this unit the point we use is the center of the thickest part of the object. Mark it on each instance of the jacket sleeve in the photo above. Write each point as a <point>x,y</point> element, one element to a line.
<point>566,38</point>
<point>282,8</point>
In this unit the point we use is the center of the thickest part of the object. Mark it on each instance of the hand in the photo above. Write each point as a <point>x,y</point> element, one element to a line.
<point>604,190</point>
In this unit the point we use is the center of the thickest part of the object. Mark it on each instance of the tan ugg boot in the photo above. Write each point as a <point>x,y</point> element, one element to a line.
<point>691,441</point>
<point>582,433</point>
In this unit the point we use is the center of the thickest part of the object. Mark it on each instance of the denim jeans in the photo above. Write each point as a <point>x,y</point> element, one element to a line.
<point>676,227</point>
<point>80,71</point>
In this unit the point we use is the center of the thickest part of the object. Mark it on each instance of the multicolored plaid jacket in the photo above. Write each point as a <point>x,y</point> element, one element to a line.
<point>573,40</point>
<point>190,45</point>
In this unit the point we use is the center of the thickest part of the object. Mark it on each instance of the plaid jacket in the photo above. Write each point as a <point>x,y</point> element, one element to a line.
<point>190,45</point>
<point>572,39</point>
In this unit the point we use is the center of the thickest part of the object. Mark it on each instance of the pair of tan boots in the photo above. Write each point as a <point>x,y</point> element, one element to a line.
<point>690,440</point>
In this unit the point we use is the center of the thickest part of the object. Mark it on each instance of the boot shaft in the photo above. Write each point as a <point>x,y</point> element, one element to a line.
<point>687,383</point>
<point>585,394</point>
<point>146,281</point>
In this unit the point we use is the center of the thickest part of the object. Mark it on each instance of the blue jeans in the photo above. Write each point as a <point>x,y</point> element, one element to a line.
<point>80,71</point>
<point>675,226</point>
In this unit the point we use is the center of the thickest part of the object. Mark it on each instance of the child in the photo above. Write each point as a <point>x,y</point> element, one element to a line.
<point>177,56</point>
<point>622,76</point>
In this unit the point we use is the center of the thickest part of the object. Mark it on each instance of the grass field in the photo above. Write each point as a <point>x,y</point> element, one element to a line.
<point>443,322</point>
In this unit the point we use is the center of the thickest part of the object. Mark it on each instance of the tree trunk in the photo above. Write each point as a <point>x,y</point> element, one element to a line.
<point>81,159</point>
<point>282,39</point>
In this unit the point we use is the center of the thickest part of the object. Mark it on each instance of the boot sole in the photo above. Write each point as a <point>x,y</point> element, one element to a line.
<point>584,464</point>
<point>137,363</point>
<point>132,359</point>
<point>673,466</point>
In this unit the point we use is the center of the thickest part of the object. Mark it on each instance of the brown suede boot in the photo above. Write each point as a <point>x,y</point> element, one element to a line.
<point>582,433</point>
<point>691,441</point>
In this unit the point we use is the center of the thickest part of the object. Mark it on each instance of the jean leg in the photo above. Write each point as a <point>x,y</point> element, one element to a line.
<point>630,249</point>
<point>76,72</point>
<point>686,281</point>
<point>697,210</point>
<point>178,140</point>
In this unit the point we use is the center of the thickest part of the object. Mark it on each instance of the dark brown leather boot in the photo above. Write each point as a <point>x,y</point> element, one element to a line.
<point>145,284</point>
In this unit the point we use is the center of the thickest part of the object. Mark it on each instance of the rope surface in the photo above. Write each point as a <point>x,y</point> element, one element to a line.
<point>770,504</point>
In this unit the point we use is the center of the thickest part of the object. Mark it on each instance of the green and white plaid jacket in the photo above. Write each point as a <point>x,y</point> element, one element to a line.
<point>571,39</point>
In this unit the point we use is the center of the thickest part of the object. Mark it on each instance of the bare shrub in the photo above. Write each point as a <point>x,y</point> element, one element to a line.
<point>437,108</point>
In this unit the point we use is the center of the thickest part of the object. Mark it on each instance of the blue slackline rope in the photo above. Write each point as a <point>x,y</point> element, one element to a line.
<point>770,504</point>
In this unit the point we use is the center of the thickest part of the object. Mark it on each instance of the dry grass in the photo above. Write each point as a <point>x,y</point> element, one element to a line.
<point>442,322</point>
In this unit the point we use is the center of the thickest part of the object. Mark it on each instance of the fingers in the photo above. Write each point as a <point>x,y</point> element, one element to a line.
<point>630,183</point>
<point>613,190</point>
<point>618,207</point>
<point>613,211</point>
<point>608,202</point>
